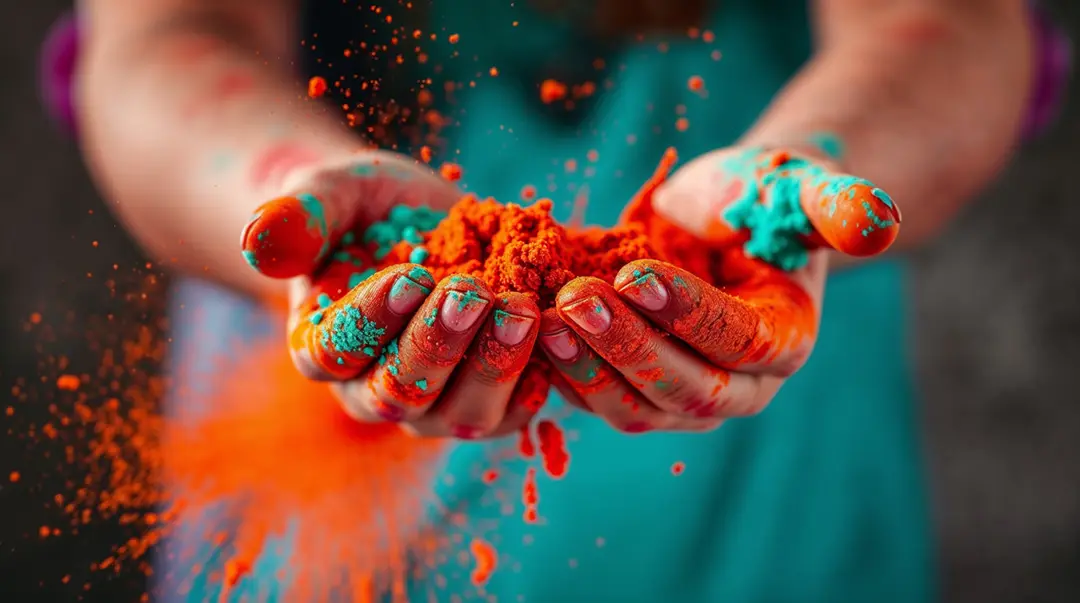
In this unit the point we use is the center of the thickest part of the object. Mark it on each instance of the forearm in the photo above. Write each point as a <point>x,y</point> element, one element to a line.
<point>927,104</point>
<point>190,124</point>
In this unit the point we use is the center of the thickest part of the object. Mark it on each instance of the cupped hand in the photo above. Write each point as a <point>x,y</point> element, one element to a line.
<point>443,359</point>
<point>661,348</point>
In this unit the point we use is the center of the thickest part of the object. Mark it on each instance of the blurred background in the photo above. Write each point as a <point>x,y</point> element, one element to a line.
<point>997,344</point>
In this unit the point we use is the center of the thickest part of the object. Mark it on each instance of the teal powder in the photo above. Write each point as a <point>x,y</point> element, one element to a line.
<point>418,274</point>
<point>324,300</point>
<point>430,320</point>
<point>828,143</point>
<point>421,384</point>
<point>404,223</point>
<point>350,331</point>
<point>359,277</point>
<point>315,318</point>
<point>402,285</point>
<point>316,219</point>
<point>464,299</point>
<point>418,255</point>
<point>771,209</point>
<point>883,197</point>
<point>249,257</point>
<point>412,235</point>
<point>389,357</point>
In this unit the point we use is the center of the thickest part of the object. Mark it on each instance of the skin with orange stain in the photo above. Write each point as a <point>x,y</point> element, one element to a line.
<point>605,336</point>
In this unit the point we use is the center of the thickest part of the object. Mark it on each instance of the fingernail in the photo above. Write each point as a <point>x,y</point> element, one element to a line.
<point>590,314</point>
<point>887,201</point>
<point>463,432</point>
<point>386,412</point>
<point>406,296</point>
<point>561,344</point>
<point>511,329</point>
<point>460,311</point>
<point>647,292</point>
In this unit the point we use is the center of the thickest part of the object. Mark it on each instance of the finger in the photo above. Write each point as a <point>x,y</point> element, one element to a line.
<point>767,324</point>
<point>668,375</point>
<point>475,402</point>
<point>530,395</point>
<point>414,368</point>
<point>852,215</point>
<point>777,205</point>
<point>292,235</point>
<point>597,385</point>
<point>337,340</point>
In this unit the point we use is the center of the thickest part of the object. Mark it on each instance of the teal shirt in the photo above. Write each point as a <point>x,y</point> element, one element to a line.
<point>820,497</point>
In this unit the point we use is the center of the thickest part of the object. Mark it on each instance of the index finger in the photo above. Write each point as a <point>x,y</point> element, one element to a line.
<point>766,324</point>
<point>293,234</point>
<point>838,211</point>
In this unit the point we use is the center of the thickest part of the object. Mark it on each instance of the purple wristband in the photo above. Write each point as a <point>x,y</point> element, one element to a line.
<point>1053,64</point>
<point>56,71</point>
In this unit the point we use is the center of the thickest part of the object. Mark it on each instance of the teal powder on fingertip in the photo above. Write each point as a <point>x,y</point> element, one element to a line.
<point>772,211</point>
<point>351,331</point>
<point>316,219</point>
<point>418,255</point>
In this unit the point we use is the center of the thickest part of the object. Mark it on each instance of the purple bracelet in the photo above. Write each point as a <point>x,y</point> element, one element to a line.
<point>1053,56</point>
<point>56,70</point>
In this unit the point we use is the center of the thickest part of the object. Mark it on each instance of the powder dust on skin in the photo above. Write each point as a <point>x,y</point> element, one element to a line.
<point>351,496</point>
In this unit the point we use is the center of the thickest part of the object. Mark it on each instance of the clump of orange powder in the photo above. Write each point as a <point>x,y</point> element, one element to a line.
<point>524,249</point>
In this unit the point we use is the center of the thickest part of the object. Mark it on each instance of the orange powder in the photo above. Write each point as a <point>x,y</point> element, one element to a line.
<point>523,249</point>
<point>350,496</point>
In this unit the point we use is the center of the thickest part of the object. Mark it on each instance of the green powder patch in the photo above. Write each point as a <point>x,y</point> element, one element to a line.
<point>430,319</point>
<point>770,205</point>
<point>403,223</point>
<point>350,331</point>
<point>316,219</point>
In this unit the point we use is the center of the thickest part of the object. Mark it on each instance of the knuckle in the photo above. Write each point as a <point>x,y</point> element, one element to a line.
<point>639,351</point>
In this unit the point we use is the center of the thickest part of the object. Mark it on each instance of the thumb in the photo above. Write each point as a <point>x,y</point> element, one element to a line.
<point>774,202</point>
<point>293,234</point>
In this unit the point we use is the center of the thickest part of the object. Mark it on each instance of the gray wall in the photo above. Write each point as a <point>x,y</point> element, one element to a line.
<point>998,345</point>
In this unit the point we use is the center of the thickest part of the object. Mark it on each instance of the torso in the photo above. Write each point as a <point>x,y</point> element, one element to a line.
<point>819,498</point>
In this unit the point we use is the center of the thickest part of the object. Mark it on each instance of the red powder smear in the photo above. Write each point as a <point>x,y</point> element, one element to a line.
<point>486,561</point>
<point>530,496</point>
<point>526,446</point>
<point>552,448</point>
<point>678,468</point>
<point>282,449</point>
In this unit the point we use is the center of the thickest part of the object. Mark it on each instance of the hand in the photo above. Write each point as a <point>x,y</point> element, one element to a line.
<point>390,341</point>
<point>661,348</point>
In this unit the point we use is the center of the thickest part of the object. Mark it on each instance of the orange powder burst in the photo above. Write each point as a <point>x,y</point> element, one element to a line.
<point>281,448</point>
